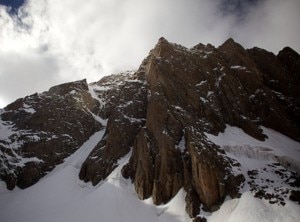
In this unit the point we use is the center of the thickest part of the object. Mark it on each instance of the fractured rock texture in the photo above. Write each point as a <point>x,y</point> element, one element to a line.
<point>163,113</point>
<point>192,91</point>
<point>125,105</point>
<point>46,128</point>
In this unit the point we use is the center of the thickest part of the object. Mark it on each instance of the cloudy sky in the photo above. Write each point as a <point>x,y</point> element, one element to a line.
<point>48,42</point>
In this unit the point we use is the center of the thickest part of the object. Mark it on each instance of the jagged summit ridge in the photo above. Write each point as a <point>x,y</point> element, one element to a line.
<point>169,113</point>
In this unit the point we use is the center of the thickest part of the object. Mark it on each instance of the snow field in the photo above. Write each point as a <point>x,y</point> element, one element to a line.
<point>260,157</point>
<point>61,197</point>
<point>251,209</point>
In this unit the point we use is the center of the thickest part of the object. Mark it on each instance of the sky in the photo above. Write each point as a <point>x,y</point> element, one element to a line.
<point>48,42</point>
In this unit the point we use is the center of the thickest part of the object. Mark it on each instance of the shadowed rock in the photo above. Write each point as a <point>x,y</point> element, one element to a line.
<point>162,112</point>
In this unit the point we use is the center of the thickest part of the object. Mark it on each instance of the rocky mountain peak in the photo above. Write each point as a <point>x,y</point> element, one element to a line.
<point>291,59</point>
<point>65,88</point>
<point>192,91</point>
<point>231,44</point>
<point>167,113</point>
<point>288,53</point>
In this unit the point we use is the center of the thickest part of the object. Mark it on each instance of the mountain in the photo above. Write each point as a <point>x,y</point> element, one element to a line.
<point>198,126</point>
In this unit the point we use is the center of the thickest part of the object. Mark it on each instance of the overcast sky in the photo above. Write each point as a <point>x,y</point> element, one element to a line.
<point>49,42</point>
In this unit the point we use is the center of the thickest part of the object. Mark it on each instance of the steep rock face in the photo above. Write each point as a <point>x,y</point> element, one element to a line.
<point>123,100</point>
<point>176,118</point>
<point>166,113</point>
<point>39,131</point>
<point>198,90</point>
<point>280,79</point>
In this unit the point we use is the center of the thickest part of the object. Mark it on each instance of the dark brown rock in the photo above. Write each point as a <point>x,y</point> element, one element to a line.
<point>143,165</point>
<point>198,90</point>
<point>282,85</point>
<point>163,113</point>
<point>48,127</point>
<point>174,108</point>
<point>295,196</point>
<point>192,203</point>
<point>199,219</point>
<point>125,108</point>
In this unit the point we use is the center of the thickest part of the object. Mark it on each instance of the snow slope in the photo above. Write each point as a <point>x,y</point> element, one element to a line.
<point>276,147</point>
<point>259,157</point>
<point>250,209</point>
<point>61,197</point>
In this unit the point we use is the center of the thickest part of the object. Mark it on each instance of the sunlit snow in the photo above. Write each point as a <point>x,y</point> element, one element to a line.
<point>276,147</point>
<point>62,197</point>
<point>255,154</point>
<point>250,209</point>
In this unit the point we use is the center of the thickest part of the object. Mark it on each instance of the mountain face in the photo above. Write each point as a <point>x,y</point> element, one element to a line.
<point>171,113</point>
<point>41,130</point>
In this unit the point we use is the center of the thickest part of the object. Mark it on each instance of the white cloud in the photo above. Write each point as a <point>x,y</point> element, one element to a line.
<point>34,71</point>
<point>58,41</point>
<point>274,25</point>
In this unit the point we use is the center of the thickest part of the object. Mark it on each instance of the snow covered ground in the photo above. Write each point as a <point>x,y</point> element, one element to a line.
<point>62,197</point>
<point>251,209</point>
<point>276,147</point>
<point>259,157</point>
